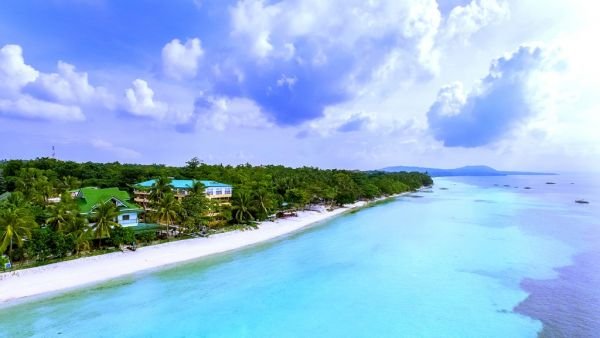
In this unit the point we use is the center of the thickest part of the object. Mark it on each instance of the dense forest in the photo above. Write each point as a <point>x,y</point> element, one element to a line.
<point>36,228</point>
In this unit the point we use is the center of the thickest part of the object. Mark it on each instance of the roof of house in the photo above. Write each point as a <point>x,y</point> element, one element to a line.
<point>90,197</point>
<point>4,196</point>
<point>185,184</point>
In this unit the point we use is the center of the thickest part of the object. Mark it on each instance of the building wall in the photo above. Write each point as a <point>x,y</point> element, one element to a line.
<point>216,192</point>
<point>132,221</point>
<point>221,193</point>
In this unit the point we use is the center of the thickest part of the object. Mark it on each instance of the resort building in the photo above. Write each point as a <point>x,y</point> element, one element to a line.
<point>90,198</point>
<point>214,190</point>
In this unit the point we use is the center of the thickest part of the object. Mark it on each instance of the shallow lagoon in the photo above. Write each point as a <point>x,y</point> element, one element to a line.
<point>454,262</point>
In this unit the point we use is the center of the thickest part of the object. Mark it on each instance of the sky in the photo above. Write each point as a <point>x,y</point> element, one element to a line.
<point>356,84</point>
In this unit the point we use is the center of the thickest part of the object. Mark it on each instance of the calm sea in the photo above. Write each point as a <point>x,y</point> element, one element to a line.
<point>471,257</point>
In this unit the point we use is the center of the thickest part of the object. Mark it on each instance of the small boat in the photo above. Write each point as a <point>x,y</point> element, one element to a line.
<point>550,183</point>
<point>527,188</point>
<point>582,202</point>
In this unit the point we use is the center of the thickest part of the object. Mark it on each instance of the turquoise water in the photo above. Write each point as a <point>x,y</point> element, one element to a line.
<point>442,263</point>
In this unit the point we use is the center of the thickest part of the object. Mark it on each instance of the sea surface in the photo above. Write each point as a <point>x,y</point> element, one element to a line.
<point>470,257</point>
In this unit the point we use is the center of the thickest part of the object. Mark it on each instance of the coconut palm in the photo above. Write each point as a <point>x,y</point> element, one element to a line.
<point>242,207</point>
<point>63,213</point>
<point>198,188</point>
<point>263,198</point>
<point>167,210</point>
<point>79,230</point>
<point>105,215</point>
<point>160,188</point>
<point>15,225</point>
<point>68,183</point>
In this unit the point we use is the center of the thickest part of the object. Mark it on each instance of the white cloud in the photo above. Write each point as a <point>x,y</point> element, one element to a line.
<point>122,152</point>
<point>29,93</point>
<point>464,21</point>
<point>14,73</point>
<point>224,113</point>
<point>288,81</point>
<point>28,107</point>
<point>179,60</point>
<point>271,30</point>
<point>139,101</point>
<point>504,100</point>
<point>68,86</point>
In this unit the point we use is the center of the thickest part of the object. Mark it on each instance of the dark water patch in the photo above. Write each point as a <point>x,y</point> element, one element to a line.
<point>569,305</point>
<point>582,202</point>
<point>484,201</point>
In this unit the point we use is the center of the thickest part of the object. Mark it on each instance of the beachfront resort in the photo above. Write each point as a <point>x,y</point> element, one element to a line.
<point>52,210</point>
<point>132,213</point>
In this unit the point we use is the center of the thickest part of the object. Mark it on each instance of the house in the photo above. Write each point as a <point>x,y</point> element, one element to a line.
<point>90,198</point>
<point>214,190</point>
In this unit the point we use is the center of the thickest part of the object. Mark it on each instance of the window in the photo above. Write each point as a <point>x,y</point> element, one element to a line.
<point>218,191</point>
<point>227,191</point>
<point>125,217</point>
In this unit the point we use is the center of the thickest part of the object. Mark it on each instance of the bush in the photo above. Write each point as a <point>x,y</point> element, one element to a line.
<point>146,237</point>
<point>121,235</point>
<point>60,244</point>
<point>46,243</point>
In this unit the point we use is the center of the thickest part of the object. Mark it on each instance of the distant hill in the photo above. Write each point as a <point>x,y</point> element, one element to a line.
<point>472,170</point>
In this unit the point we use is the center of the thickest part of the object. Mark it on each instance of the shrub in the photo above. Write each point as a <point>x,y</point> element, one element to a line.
<point>121,235</point>
<point>146,237</point>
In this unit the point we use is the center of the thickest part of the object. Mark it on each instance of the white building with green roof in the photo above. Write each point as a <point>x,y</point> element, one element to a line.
<point>90,198</point>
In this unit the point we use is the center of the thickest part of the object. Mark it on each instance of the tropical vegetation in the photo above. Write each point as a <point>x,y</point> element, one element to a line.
<point>37,226</point>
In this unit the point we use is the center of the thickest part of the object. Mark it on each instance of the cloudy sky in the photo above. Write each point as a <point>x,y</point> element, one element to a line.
<point>339,83</point>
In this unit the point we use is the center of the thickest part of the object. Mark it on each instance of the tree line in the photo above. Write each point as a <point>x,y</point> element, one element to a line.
<point>34,226</point>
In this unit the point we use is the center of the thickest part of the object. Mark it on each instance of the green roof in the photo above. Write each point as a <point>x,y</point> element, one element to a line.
<point>185,184</point>
<point>90,197</point>
<point>146,227</point>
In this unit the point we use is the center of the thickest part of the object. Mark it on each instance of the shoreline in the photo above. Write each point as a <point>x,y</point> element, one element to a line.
<point>63,276</point>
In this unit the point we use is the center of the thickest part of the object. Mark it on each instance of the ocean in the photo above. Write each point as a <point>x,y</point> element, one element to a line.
<point>470,257</point>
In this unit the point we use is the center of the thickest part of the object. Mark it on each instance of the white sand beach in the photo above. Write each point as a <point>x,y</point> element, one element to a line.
<point>79,272</point>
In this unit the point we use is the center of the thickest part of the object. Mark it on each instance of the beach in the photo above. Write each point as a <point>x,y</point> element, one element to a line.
<point>76,273</point>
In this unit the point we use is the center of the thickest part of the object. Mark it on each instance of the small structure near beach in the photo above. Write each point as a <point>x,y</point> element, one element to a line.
<point>89,198</point>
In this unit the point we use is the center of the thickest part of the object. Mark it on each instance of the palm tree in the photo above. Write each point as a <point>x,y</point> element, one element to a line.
<point>15,225</point>
<point>167,210</point>
<point>80,231</point>
<point>60,216</point>
<point>264,200</point>
<point>68,183</point>
<point>105,215</point>
<point>160,188</point>
<point>198,188</point>
<point>62,213</point>
<point>242,209</point>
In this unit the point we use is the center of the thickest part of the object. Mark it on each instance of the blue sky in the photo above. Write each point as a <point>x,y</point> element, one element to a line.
<point>351,84</point>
